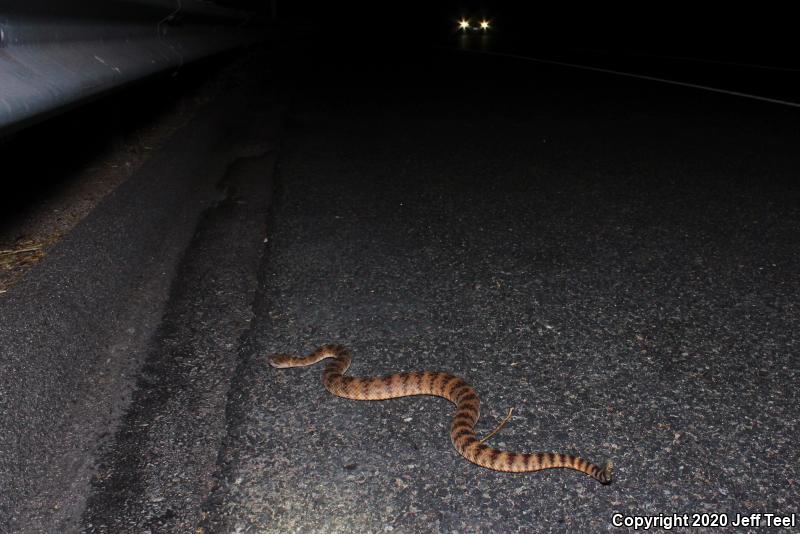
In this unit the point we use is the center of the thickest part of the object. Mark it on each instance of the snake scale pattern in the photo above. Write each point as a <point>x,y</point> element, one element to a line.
<point>452,388</point>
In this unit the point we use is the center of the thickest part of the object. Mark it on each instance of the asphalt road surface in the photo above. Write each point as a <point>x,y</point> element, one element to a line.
<point>614,258</point>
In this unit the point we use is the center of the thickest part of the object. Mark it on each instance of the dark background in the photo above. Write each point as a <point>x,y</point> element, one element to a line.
<point>761,33</point>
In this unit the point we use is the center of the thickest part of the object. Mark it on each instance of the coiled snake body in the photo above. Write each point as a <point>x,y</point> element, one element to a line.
<point>452,388</point>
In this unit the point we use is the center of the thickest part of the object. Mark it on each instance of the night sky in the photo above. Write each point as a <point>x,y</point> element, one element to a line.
<point>752,34</point>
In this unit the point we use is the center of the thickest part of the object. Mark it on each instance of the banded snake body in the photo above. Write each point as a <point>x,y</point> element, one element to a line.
<point>452,388</point>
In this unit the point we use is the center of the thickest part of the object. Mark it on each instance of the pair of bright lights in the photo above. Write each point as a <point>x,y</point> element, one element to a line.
<point>464,24</point>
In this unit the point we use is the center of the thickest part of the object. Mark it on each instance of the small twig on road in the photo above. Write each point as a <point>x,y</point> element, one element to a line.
<point>10,252</point>
<point>501,425</point>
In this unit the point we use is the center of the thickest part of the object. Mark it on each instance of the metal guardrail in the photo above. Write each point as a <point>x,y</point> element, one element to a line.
<point>56,54</point>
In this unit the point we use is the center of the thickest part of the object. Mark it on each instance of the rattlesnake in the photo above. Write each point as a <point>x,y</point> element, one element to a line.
<point>445,385</point>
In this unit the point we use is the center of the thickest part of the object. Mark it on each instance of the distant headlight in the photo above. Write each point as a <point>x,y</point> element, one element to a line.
<point>463,24</point>
<point>485,25</point>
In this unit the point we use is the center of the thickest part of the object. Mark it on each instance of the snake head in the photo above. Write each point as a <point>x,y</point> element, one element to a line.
<point>279,360</point>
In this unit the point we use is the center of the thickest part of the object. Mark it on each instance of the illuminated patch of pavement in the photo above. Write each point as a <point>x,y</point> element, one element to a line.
<point>616,260</point>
